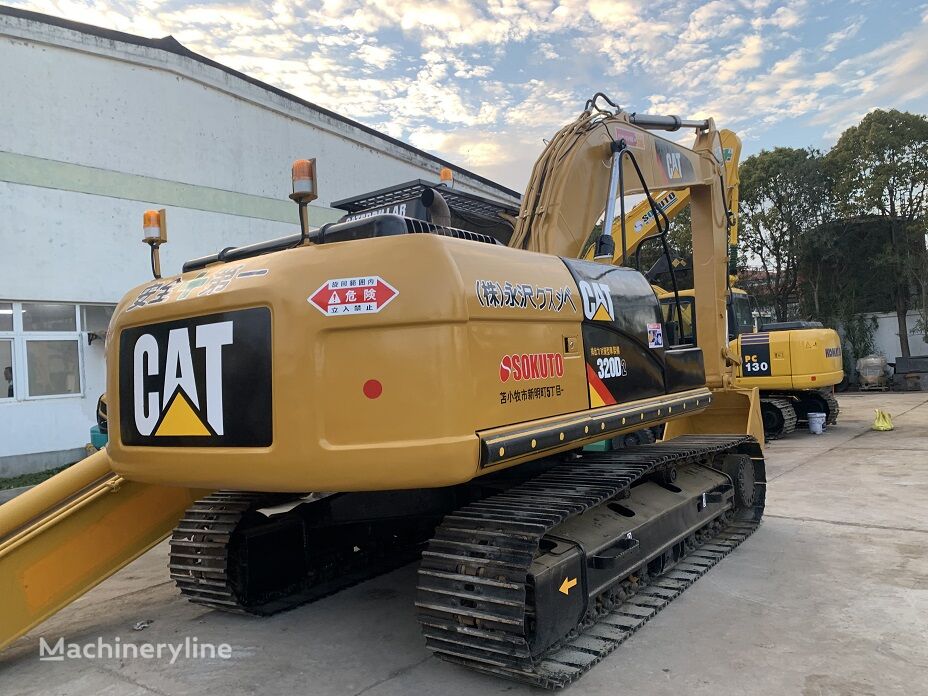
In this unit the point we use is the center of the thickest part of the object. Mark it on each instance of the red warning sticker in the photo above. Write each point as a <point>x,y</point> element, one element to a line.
<point>629,136</point>
<point>363,295</point>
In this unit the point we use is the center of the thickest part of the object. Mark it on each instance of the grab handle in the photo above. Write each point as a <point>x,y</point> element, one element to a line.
<point>610,556</point>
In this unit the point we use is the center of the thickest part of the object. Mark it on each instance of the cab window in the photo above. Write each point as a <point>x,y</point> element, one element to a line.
<point>686,334</point>
<point>740,316</point>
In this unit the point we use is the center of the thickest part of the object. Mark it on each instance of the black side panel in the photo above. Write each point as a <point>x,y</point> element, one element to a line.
<point>685,369</point>
<point>618,369</point>
<point>622,333</point>
<point>624,338</point>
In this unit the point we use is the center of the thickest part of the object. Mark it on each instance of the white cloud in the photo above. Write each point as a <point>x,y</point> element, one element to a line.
<point>834,40</point>
<point>378,56</point>
<point>787,16</point>
<point>711,21</point>
<point>542,106</point>
<point>746,56</point>
<point>482,82</point>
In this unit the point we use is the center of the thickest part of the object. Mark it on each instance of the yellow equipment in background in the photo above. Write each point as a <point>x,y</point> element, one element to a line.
<point>794,364</point>
<point>309,411</point>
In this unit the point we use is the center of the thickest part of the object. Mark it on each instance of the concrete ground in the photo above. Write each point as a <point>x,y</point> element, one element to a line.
<point>829,597</point>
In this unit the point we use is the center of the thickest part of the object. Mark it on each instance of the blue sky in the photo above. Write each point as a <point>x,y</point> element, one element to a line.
<point>482,83</point>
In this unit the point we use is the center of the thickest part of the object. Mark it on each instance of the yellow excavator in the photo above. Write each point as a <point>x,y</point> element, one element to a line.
<point>303,413</point>
<point>795,364</point>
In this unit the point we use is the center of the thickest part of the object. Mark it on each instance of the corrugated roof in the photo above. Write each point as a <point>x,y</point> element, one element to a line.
<point>172,45</point>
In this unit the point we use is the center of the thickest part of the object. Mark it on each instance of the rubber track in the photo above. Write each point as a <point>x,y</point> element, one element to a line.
<point>789,417</point>
<point>473,576</point>
<point>833,407</point>
<point>199,559</point>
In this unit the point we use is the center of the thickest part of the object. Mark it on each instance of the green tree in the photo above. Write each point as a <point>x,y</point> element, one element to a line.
<point>784,192</point>
<point>881,168</point>
<point>842,270</point>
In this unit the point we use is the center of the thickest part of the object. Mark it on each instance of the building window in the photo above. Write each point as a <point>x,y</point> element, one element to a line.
<point>42,347</point>
<point>6,316</point>
<point>49,316</point>
<point>53,367</point>
<point>96,318</point>
<point>7,390</point>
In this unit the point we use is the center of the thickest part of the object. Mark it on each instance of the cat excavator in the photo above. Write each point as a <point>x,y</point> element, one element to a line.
<point>795,364</point>
<point>304,413</point>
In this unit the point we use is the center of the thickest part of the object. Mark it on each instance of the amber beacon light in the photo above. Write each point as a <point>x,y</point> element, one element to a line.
<point>154,234</point>
<point>304,190</point>
<point>446,177</point>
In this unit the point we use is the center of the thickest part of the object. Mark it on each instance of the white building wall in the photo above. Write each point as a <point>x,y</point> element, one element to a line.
<point>94,132</point>
<point>886,336</point>
<point>67,246</point>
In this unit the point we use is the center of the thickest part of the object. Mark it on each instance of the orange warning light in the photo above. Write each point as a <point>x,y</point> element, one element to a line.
<point>153,227</point>
<point>304,181</point>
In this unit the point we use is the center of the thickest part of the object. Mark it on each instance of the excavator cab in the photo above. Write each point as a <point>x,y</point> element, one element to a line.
<point>741,314</point>
<point>687,330</point>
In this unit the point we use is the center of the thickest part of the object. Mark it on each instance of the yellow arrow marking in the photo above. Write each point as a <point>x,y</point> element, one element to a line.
<point>567,584</point>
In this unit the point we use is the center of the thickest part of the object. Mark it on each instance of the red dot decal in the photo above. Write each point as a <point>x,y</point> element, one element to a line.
<point>372,389</point>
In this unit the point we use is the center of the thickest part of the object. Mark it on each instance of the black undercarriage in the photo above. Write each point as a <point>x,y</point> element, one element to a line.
<point>534,574</point>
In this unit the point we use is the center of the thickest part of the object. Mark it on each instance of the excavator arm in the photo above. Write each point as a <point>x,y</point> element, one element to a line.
<point>641,223</point>
<point>603,156</point>
<point>570,182</point>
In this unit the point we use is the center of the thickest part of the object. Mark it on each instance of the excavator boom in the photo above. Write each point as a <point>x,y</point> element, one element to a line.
<point>571,186</point>
<point>70,533</point>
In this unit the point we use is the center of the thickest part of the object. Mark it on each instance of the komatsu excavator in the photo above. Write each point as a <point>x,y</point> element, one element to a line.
<point>303,413</point>
<point>794,364</point>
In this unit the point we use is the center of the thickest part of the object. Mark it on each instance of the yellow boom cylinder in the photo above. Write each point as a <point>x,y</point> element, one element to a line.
<point>71,532</point>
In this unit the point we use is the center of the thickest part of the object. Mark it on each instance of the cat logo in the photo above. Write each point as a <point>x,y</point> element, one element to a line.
<point>202,381</point>
<point>181,414</point>
<point>674,169</point>
<point>597,301</point>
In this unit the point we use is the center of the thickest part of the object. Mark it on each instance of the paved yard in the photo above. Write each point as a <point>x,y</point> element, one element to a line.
<point>829,597</point>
